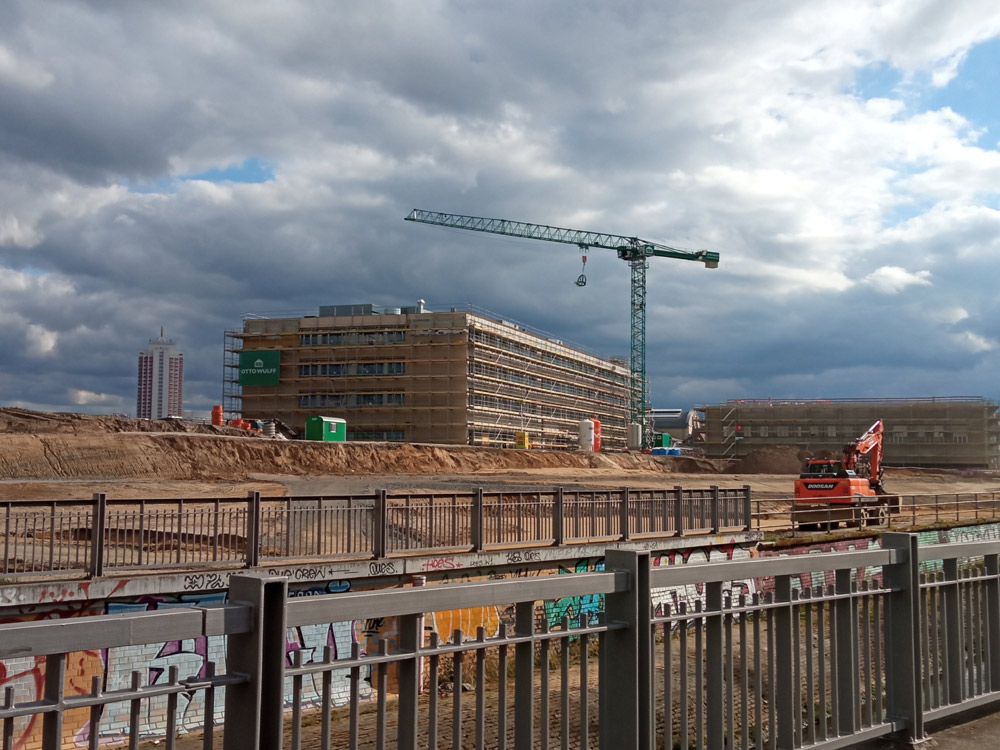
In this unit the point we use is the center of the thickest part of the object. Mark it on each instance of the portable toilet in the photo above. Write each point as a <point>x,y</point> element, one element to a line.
<point>330,429</point>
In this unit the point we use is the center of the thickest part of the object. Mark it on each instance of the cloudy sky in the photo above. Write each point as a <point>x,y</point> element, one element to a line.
<point>183,163</point>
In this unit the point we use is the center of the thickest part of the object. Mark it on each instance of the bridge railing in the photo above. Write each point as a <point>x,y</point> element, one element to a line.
<point>781,515</point>
<point>97,536</point>
<point>794,651</point>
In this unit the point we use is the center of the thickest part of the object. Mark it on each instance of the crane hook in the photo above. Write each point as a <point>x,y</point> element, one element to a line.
<point>581,280</point>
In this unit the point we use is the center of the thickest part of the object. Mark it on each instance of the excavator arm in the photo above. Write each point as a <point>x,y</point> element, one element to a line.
<point>869,444</point>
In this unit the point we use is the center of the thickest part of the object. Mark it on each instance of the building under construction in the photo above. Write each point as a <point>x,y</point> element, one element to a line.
<point>412,375</point>
<point>949,432</point>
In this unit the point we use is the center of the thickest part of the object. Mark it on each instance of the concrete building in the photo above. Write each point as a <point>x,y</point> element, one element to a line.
<point>412,375</point>
<point>949,432</point>
<point>160,382</point>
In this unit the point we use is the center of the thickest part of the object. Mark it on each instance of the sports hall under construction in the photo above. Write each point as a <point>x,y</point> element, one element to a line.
<point>409,374</point>
<point>944,432</point>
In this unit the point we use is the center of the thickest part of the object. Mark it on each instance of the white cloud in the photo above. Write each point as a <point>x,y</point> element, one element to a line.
<point>83,398</point>
<point>893,280</point>
<point>22,72</point>
<point>41,341</point>
<point>973,342</point>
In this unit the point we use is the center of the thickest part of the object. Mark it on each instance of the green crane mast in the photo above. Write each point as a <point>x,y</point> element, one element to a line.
<point>631,249</point>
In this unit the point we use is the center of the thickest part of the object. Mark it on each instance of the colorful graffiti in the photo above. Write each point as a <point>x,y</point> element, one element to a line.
<point>670,599</point>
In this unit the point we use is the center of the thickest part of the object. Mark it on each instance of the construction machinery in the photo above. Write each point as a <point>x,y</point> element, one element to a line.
<point>847,489</point>
<point>631,249</point>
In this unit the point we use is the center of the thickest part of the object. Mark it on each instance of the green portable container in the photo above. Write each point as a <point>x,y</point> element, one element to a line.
<point>330,429</point>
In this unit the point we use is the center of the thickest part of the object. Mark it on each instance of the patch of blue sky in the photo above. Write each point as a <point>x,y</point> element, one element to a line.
<point>972,93</point>
<point>251,170</point>
<point>877,81</point>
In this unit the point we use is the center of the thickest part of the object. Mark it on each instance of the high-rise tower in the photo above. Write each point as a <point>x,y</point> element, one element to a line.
<point>160,391</point>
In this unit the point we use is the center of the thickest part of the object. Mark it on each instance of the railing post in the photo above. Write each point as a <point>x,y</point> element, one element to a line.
<point>714,509</point>
<point>524,676</point>
<point>623,515</point>
<point>678,511</point>
<point>98,530</point>
<point>902,624</point>
<point>715,658</point>
<point>381,525</point>
<point>748,508</point>
<point>253,530</point>
<point>626,659</point>
<point>846,612</point>
<point>954,634</point>
<point>478,525</point>
<point>788,716</point>
<point>255,708</point>
<point>558,526</point>
<point>408,673</point>
<point>992,626</point>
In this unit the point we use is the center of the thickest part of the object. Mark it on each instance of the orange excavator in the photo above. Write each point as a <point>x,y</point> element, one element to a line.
<point>848,489</point>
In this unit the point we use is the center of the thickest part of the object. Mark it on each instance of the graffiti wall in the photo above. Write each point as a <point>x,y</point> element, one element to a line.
<point>114,668</point>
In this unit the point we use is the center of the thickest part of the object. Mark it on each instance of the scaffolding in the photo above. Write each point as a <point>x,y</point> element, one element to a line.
<point>954,432</point>
<point>452,377</point>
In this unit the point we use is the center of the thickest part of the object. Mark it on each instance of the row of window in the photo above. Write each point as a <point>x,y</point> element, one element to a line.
<point>521,377</point>
<point>375,435</point>
<point>899,434</point>
<point>531,353</point>
<point>352,338</point>
<point>350,400</point>
<point>343,369</point>
<point>520,408</point>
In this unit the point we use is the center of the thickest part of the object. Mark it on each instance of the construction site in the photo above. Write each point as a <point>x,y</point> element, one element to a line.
<point>411,375</point>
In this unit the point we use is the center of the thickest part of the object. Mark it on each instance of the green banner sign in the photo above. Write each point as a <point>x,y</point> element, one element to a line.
<point>260,368</point>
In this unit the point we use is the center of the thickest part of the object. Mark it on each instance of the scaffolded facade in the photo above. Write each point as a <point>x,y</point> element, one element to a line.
<point>948,432</point>
<point>406,374</point>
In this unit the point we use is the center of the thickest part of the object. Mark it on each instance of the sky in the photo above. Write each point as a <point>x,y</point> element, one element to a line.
<point>183,164</point>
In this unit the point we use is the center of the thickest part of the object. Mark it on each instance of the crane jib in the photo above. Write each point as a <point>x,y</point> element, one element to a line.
<point>628,248</point>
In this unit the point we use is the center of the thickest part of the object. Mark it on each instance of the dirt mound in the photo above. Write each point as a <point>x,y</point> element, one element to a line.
<point>37,445</point>
<point>28,422</point>
<point>779,459</point>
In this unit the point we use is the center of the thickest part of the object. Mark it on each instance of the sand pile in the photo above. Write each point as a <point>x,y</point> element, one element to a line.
<point>73,446</point>
<point>779,459</point>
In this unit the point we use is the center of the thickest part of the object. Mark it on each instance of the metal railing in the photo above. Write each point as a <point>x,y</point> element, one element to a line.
<point>867,655</point>
<point>97,536</point>
<point>784,517</point>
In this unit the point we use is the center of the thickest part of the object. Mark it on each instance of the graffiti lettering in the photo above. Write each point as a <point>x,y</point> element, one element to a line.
<point>205,581</point>
<point>382,569</point>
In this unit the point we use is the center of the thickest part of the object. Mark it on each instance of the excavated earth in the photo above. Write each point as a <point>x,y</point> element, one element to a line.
<point>52,455</point>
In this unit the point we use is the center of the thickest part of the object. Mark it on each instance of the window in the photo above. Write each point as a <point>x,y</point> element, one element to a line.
<point>394,399</point>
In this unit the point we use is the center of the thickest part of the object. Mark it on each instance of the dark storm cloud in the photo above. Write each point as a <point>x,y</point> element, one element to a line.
<point>700,125</point>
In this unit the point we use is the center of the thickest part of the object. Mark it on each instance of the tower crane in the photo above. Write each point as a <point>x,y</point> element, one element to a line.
<point>631,249</point>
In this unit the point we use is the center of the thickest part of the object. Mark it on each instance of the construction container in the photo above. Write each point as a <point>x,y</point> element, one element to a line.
<point>662,440</point>
<point>597,433</point>
<point>522,440</point>
<point>586,434</point>
<point>329,429</point>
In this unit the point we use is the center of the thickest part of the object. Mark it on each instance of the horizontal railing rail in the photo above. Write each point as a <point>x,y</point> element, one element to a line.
<point>823,651</point>
<point>784,517</point>
<point>97,536</point>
